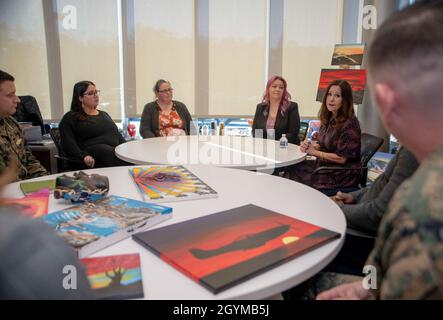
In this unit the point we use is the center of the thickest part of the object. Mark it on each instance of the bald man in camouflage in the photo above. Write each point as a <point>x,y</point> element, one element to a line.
<point>405,77</point>
<point>12,141</point>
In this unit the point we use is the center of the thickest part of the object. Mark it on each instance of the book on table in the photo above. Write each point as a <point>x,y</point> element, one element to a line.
<point>228,247</point>
<point>34,205</point>
<point>92,226</point>
<point>164,183</point>
<point>115,277</point>
<point>33,186</point>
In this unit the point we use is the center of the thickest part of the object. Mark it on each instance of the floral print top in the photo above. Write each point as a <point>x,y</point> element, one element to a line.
<point>168,122</point>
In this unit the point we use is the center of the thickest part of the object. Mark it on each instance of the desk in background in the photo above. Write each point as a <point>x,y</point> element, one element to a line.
<point>45,153</point>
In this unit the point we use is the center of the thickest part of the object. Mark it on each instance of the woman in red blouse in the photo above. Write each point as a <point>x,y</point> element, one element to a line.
<point>164,116</point>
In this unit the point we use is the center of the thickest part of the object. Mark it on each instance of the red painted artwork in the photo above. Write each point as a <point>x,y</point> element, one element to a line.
<point>34,205</point>
<point>355,77</point>
<point>225,248</point>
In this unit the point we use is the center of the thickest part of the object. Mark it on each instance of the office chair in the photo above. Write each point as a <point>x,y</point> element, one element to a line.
<point>29,111</point>
<point>64,163</point>
<point>369,146</point>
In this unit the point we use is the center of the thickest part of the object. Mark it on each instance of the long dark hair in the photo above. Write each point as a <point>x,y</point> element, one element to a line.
<point>76,105</point>
<point>347,105</point>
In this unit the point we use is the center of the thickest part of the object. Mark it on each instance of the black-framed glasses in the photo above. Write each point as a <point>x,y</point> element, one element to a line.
<point>92,93</point>
<point>170,90</point>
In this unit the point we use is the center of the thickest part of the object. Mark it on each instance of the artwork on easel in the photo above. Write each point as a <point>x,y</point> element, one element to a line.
<point>348,54</point>
<point>355,77</point>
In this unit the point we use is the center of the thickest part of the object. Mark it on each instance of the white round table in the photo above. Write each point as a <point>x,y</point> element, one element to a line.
<point>235,188</point>
<point>223,151</point>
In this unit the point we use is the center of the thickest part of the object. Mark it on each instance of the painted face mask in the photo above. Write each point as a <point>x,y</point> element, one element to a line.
<point>81,187</point>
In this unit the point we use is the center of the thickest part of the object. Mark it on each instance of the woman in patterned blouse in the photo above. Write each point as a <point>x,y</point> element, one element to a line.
<point>338,144</point>
<point>164,116</point>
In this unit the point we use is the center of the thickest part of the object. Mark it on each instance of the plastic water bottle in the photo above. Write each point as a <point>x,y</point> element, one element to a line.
<point>221,129</point>
<point>283,142</point>
<point>213,128</point>
<point>205,130</point>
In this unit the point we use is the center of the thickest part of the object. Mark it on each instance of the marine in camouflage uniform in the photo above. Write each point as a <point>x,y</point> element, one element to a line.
<point>408,252</point>
<point>13,144</point>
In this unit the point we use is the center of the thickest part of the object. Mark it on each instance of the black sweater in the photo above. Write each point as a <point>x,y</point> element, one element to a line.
<point>78,134</point>
<point>289,123</point>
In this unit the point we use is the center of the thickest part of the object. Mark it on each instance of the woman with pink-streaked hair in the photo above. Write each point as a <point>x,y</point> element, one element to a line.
<point>276,114</point>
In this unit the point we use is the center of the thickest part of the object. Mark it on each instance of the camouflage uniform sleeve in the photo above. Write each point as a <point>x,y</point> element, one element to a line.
<point>4,159</point>
<point>408,253</point>
<point>409,263</point>
<point>33,167</point>
<point>16,146</point>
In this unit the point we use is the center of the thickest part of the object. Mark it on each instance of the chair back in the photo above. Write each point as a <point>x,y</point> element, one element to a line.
<point>369,146</point>
<point>64,163</point>
<point>303,131</point>
<point>29,111</point>
<point>55,135</point>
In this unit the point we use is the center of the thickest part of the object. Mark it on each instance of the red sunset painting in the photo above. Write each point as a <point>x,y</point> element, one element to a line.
<point>355,77</point>
<point>228,247</point>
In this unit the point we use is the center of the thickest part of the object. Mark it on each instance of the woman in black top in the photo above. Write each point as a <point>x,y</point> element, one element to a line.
<point>164,116</point>
<point>89,134</point>
<point>276,113</point>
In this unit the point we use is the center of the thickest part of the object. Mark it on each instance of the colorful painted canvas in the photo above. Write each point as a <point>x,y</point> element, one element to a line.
<point>228,247</point>
<point>356,78</point>
<point>92,226</point>
<point>348,54</point>
<point>33,186</point>
<point>169,183</point>
<point>313,129</point>
<point>34,205</point>
<point>115,277</point>
<point>377,165</point>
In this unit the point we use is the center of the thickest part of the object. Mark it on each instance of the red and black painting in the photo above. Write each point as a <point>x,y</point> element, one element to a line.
<point>355,77</point>
<point>225,248</point>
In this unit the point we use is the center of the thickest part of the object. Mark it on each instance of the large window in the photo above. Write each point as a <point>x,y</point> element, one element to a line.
<point>89,49</point>
<point>311,28</point>
<point>164,49</point>
<point>23,49</point>
<point>237,61</point>
<point>216,53</point>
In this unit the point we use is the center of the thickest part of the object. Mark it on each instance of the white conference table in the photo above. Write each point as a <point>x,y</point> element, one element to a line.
<point>223,151</point>
<point>235,188</point>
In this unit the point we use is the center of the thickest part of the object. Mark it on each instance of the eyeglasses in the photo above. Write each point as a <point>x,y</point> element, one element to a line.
<point>166,90</point>
<point>92,93</point>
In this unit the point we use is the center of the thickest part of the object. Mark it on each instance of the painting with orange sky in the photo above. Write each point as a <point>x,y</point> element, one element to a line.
<point>348,54</point>
<point>228,247</point>
<point>115,277</point>
<point>355,77</point>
